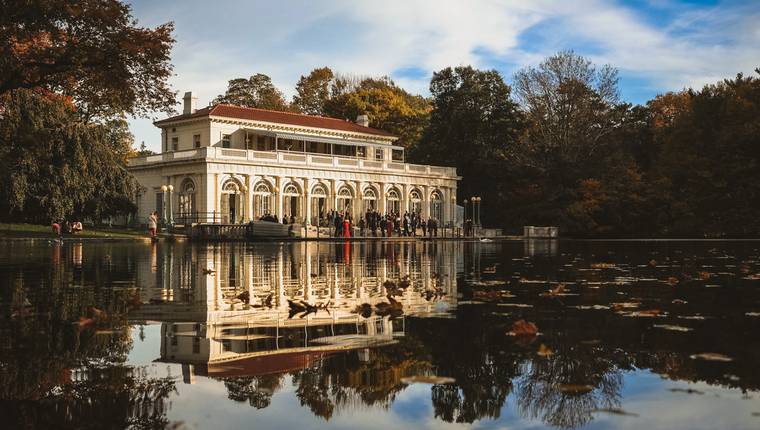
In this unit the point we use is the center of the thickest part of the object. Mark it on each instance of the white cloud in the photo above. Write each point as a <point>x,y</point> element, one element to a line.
<point>217,41</point>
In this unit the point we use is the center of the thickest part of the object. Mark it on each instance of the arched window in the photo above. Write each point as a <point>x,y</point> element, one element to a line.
<point>370,199</point>
<point>262,200</point>
<point>415,202</point>
<point>345,196</point>
<point>318,204</point>
<point>186,199</point>
<point>436,205</point>
<point>290,199</point>
<point>232,202</point>
<point>394,201</point>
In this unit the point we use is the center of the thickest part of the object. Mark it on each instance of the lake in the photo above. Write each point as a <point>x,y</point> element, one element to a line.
<point>379,335</point>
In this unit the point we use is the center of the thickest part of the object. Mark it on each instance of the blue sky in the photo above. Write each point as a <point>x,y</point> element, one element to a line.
<point>657,45</point>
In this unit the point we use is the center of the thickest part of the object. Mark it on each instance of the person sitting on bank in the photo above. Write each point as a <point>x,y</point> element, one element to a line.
<point>76,227</point>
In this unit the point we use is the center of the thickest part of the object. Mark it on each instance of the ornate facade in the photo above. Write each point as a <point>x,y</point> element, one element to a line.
<point>229,164</point>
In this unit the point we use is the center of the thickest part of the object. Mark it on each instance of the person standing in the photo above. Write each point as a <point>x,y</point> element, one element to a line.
<point>153,224</point>
<point>423,224</point>
<point>347,226</point>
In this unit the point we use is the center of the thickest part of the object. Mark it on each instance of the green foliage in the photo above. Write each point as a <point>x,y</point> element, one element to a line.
<point>53,165</point>
<point>258,91</point>
<point>473,125</point>
<point>89,50</point>
<point>313,91</point>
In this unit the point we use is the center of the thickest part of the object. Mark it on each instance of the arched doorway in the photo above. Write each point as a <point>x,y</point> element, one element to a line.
<point>232,202</point>
<point>345,197</point>
<point>436,205</point>
<point>187,202</point>
<point>369,200</point>
<point>262,200</point>
<point>290,199</point>
<point>394,201</point>
<point>318,204</point>
<point>415,202</point>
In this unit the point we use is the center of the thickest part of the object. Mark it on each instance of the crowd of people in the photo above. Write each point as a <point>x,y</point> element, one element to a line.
<point>375,224</point>
<point>372,223</point>
<point>68,227</point>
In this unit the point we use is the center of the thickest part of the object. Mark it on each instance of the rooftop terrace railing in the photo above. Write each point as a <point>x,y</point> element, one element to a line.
<point>291,159</point>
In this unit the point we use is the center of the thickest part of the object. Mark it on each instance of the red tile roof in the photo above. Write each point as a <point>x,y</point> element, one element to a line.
<point>279,117</point>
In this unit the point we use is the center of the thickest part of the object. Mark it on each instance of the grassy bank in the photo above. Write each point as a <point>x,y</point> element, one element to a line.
<point>36,231</point>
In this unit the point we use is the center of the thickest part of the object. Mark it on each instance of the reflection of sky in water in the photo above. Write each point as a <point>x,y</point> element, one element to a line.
<point>621,354</point>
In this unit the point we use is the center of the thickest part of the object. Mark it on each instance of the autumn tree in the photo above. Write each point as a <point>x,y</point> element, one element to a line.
<point>258,91</point>
<point>92,51</point>
<point>313,91</point>
<point>388,106</point>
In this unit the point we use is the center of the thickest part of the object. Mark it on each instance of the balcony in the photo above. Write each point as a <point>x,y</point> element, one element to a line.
<point>292,159</point>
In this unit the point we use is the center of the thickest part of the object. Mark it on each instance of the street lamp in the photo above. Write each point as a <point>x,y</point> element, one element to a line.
<point>170,188</point>
<point>476,210</point>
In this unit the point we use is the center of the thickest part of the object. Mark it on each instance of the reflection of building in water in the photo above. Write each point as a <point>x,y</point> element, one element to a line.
<point>224,307</point>
<point>546,247</point>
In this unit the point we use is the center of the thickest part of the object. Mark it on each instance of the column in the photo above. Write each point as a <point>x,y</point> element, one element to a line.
<point>247,199</point>
<point>404,198</point>
<point>426,203</point>
<point>333,197</point>
<point>307,205</point>
<point>381,198</point>
<point>358,206</point>
<point>278,197</point>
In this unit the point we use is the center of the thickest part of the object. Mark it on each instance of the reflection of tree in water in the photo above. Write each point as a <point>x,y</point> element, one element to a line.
<point>345,382</point>
<point>565,389</point>
<point>256,390</point>
<point>464,350</point>
<point>62,358</point>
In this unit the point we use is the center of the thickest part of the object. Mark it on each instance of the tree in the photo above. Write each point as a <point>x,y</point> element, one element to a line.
<point>709,159</point>
<point>258,91</point>
<point>89,50</point>
<point>388,106</point>
<point>54,165</point>
<point>571,108</point>
<point>473,125</point>
<point>313,91</point>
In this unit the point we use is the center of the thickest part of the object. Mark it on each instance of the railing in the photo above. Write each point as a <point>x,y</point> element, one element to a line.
<point>292,158</point>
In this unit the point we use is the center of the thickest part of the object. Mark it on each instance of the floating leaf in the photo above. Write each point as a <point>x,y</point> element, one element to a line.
<point>615,411</point>
<point>673,327</point>
<point>673,281</point>
<point>679,302</point>
<point>752,314</point>
<point>687,391</point>
<point>711,356</point>
<point>544,351</point>
<point>523,328</point>
<point>603,266</point>
<point>575,388</point>
<point>428,379</point>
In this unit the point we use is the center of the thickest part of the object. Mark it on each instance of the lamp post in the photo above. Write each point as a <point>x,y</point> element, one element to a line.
<point>476,210</point>
<point>464,221</point>
<point>170,188</point>
<point>164,188</point>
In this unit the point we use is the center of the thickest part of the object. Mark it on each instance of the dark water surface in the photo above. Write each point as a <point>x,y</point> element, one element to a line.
<point>631,334</point>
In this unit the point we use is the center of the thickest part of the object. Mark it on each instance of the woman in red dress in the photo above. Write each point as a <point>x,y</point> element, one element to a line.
<point>346,227</point>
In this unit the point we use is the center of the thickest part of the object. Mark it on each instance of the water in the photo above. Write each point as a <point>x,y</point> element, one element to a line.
<point>632,334</point>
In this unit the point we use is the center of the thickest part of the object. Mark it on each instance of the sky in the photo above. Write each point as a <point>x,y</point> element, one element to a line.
<point>657,45</point>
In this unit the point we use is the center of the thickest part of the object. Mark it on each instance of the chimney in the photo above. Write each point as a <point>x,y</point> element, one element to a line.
<point>362,120</point>
<point>190,103</point>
